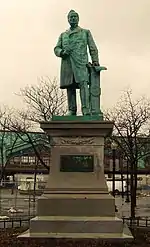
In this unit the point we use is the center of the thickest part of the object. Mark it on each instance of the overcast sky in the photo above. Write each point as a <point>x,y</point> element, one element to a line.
<point>29,30</point>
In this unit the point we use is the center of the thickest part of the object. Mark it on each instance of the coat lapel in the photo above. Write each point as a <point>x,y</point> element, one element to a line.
<point>76,30</point>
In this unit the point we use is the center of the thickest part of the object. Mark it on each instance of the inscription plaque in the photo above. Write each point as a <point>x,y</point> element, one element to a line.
<point>76,163</point>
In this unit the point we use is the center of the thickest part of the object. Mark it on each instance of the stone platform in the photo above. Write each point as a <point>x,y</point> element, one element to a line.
<point>76,203</point>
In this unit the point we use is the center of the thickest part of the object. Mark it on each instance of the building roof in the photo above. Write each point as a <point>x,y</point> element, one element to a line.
<point>13,143</point>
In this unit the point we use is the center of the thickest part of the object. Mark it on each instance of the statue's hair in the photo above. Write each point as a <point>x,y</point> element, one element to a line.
<point>72,11</point>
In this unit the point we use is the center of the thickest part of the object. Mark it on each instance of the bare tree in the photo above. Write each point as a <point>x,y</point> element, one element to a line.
<point>19,124</point>
<point>131,132</point>
<point>44,100</point>
<point>7,140</point>
<point>20,128</point>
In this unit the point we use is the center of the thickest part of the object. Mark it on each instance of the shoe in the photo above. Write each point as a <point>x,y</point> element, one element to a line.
<point>87,114</point>
<point>71,113</point>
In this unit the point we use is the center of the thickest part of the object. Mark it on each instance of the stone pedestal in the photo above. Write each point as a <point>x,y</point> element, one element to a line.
<point>76,203</point>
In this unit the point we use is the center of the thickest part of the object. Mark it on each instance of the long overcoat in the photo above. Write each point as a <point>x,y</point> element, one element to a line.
<point>74,66</point>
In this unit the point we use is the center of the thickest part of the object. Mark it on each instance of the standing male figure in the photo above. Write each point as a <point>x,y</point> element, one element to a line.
<point>72,48</point>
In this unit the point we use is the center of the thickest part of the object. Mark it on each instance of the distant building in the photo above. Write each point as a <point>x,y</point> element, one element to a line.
<point>25,153</point>
<point>20,152</point>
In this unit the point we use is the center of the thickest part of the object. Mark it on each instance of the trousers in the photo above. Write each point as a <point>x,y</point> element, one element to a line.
<point>84,97</point>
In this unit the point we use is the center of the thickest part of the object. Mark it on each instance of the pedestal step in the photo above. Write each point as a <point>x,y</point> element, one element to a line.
<point>57,224</point>
<point>76,205</point>
<point>113,237</point>
<point>104,236</point>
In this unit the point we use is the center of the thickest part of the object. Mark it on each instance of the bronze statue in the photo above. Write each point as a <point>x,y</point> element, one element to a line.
<point>75,72</point>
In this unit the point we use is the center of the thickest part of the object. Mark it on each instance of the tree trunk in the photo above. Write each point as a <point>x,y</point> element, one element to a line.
<point>133,190</point>
<point>127,198</point>
<point>34,187</point>
<point>132,197</point>
<point>135,187</point>
<point>122,180</point>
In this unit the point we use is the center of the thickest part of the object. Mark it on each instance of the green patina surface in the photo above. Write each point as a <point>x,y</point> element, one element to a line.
<point>76,71</point>
<point>78,118</point>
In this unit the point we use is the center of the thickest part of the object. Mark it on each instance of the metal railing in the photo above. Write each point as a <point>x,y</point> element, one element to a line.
<point>15,222</point>
<point>137,221</point>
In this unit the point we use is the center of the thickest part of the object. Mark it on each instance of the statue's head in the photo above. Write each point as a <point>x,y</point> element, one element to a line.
<point>73,18</point>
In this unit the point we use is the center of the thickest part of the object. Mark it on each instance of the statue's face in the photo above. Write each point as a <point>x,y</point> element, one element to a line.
<point>73,19</point>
